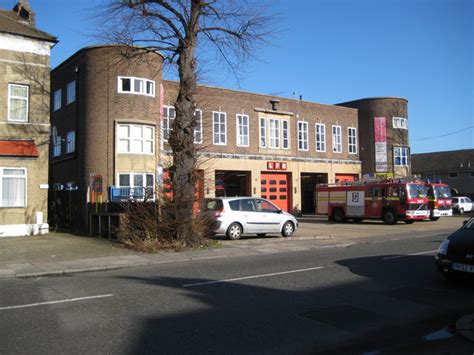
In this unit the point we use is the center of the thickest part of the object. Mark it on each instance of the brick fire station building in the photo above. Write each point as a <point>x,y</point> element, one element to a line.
<point>111,118</point>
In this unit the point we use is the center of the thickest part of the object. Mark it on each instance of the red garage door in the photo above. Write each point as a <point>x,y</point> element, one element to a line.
<point>346,177</point>
<point>276,188</point>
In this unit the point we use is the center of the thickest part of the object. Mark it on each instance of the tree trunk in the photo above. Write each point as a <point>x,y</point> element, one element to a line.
<point>181,138</point>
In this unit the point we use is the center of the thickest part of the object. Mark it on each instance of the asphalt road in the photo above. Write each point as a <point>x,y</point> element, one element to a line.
<point>383,297</point>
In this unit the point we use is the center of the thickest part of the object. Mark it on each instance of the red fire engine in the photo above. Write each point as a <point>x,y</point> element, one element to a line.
<point>439,200</point>
<point>390,200</point>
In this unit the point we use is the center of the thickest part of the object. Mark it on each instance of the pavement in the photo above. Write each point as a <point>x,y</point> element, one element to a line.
<point>63,253</point>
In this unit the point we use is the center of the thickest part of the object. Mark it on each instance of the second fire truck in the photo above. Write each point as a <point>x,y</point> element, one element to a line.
<point>439,200</point>
<point>389,200</point>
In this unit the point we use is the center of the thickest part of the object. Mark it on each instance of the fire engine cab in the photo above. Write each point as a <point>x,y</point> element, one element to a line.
<point>389,200</point>
<point>439,200</point>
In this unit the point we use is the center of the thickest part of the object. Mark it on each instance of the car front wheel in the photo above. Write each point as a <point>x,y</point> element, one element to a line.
<point>288,229</point>
<point>234,231</point>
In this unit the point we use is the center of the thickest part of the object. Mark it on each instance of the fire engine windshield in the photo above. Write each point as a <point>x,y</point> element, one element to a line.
<point>417,191</point>
<point>442,192</point>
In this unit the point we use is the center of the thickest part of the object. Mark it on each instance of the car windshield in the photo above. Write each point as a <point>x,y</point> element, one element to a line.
<point>469,224</point>
<point>442,192</point>
<point>417,190</point>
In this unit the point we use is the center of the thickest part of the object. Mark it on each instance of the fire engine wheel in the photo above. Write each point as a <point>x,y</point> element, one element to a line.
<point>338,215</point>
<point>389,216</point>
<point>234,231</point>
<point>358,220</point>
<point>434,218</point>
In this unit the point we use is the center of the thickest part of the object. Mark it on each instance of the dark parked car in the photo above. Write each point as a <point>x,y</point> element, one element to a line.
<point>455,255</point>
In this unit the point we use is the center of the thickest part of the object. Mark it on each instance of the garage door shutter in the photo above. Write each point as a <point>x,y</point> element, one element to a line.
<point>276,188</point>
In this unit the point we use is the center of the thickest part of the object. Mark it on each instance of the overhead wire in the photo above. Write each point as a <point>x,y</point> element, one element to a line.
<point>443,135</point>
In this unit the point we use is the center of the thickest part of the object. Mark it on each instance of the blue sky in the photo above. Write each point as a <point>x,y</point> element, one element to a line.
<point>331,51</point>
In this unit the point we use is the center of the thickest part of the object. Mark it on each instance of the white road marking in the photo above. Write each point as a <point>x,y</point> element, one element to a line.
<point>54,302</point>
<point>414,254</point>
<point>253,277</point>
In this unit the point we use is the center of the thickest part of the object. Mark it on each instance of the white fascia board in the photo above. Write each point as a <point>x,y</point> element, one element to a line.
<point>23,44</point>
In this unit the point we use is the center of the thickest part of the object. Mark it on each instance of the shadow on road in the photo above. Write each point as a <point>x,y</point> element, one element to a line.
<point>386,302</point>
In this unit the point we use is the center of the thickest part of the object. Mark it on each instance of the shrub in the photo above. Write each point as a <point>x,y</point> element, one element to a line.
<point>150,227</point>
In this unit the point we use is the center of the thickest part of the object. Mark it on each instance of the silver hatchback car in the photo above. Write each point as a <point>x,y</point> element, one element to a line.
<point>236,216</point>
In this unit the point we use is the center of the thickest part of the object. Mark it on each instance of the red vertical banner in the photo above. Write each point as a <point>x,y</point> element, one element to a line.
<point>380,137</point>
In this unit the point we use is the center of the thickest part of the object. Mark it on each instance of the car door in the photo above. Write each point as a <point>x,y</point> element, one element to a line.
<point>468,204</point>
<point>270,216</point>
<point>249,217</point>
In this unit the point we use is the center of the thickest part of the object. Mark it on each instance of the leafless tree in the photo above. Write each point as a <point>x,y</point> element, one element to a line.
<point>180,30</point>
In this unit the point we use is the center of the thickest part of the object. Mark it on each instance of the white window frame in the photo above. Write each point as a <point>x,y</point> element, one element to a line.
<point>132,181</point>
<point>337,139</point>
<point>400,122</point>
<point>222,126</point>
<point>71,92</point>
<point>262,129</point>
<point>57,100</point>
<point>130,139</point>
<point>352,145</point>
<point>320,137</point>
<point>240,129</point>
<point>13,97</point>
<point>23,176</point>
<point>303,144</point>
<point>198,126</point>
<point>285,141</point>
<point>398,152</point>
<point>142,83</point>
<point>274,133</point>
<point>168,121</point>
<point>71,142</point>
<point>57,145</point>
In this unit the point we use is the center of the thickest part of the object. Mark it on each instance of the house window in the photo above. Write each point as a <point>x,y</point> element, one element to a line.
<point>71,92</point>
<point>57,100</point>
<point>71,142</point>
<point>13,187</point>
<point>336,139</point>
<point>198,127</point>
<point>400,122</point>
<point>18,103</point>
<point>302,135</point>
<point>136,86</point>
<point>219,120</point>
<point>453,175</point>
<point>352,140</point>
<point>137,185</point>
<point>57,146</point>
<point>472,174</point>
<point>263,133</point>
<point>285,134</point>
<point>401,155</point>
<point>169,115</point>
<point>242,123</point>
<point>320,137</point>
<point>136,139</point>
<point>274,136</point>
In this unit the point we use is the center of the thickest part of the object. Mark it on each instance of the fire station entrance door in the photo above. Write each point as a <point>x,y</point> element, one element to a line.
<point>308,183</point>
<point>276,187</point>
